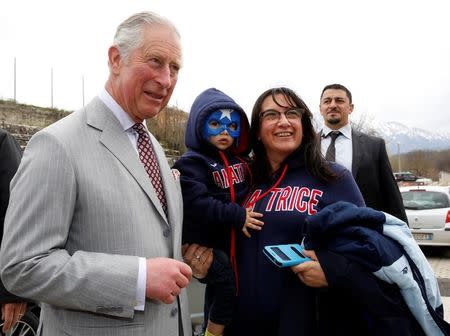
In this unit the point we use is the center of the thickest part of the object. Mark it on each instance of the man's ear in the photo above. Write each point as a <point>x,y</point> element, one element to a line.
<point>114,60</point>
<point>351,108</point>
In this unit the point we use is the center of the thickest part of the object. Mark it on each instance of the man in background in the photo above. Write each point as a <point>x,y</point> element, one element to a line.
<point>13,307</point>
<point>364,155</point>
<point>93,229</point>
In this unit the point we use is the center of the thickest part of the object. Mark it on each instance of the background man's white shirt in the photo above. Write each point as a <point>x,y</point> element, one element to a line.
<point>343,145</point>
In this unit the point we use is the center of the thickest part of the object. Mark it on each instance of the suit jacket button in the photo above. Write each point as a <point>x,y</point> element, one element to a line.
<point>166,232</point>
<point>173,312</point>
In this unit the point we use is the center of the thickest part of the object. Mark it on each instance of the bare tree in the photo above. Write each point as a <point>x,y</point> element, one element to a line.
<point>364,123</point>
<point>169,128</point>
<point>424,163</point>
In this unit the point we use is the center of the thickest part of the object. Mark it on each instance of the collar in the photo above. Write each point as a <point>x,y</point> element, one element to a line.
<point>124,119</point>
<point>345,130</point>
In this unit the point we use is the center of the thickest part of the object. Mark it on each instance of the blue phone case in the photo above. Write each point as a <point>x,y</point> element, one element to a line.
<point>285,255</point>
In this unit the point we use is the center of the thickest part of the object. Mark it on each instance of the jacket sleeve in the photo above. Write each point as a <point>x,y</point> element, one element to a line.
<point>200,202</point>
<point>393,202</point>
<point>10,155</point>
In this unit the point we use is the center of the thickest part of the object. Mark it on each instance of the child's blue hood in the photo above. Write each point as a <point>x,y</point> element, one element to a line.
<point>208,101</point>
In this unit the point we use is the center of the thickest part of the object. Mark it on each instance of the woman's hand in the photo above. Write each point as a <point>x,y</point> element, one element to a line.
<point>198,257</point>
<point>310,272</point>
<point>252,222</point>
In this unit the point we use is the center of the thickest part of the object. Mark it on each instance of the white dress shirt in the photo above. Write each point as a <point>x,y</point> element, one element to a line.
<point>343,145</point>
<point>127,124</point>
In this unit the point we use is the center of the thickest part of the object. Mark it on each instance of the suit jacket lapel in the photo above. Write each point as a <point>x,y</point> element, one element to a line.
<point>168,180</point>
<point>116,141</point>
<point>357,148</point>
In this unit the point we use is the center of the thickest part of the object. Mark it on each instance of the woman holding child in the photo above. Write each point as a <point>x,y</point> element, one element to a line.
<point>291,182</point>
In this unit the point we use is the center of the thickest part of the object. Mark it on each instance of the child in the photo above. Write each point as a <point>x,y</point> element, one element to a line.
<point>214,181</point>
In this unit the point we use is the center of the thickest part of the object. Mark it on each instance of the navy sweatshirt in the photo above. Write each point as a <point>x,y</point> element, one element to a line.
<point>209,212</point>
<point>273,301</point>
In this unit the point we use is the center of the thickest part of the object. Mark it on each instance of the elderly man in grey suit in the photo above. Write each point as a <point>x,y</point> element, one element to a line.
<point>364,155</point>
<point>93,229</point>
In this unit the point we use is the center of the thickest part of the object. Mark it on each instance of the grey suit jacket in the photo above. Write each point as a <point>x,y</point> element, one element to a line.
<point>82,210</point>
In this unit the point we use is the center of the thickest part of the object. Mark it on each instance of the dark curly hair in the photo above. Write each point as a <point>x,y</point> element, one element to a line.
<point>338,87</point>
<point>310,145</point>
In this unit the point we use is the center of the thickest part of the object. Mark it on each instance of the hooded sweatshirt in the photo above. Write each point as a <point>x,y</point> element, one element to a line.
<point>211,207</point>
<point>273,301</point>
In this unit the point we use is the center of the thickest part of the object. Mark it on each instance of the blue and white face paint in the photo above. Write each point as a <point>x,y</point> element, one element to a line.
<point>222,120</point>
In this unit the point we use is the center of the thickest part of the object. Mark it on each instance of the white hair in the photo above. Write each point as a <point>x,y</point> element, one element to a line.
<point>129,34</point>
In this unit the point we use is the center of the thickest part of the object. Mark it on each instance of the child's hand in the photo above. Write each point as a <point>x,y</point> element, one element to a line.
<point>251,222</point>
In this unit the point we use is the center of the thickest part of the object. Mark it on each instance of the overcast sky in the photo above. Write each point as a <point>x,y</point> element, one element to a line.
<point>393,55</point>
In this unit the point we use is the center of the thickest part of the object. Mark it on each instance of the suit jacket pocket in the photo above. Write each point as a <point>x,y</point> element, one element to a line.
<point>89,321</point>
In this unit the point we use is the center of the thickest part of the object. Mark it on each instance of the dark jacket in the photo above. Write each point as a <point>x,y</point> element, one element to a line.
<point>373,174</point>
<point>10,155</point>
<point>209,210</point>
<point>383,246</point>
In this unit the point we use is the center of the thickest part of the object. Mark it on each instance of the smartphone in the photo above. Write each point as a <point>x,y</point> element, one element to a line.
<point>285,255</point>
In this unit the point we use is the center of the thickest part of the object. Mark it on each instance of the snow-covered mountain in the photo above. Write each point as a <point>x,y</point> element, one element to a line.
<point>401,137</point>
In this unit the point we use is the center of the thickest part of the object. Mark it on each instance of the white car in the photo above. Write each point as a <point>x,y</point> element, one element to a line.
<point>428,212</point>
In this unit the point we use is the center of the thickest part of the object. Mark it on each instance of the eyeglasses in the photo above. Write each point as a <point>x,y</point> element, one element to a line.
<point>274,116</point>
